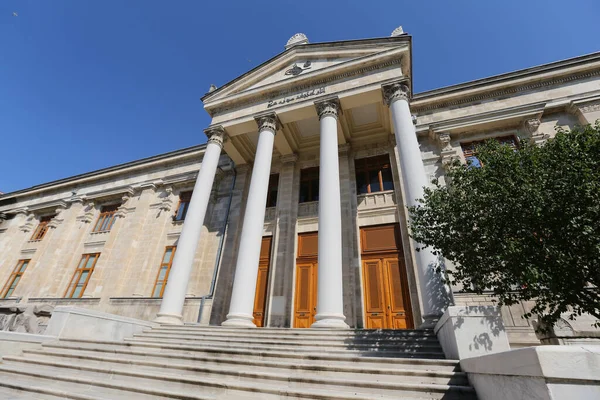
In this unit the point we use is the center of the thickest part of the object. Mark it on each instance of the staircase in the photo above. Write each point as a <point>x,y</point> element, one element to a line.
<point>198,362</point>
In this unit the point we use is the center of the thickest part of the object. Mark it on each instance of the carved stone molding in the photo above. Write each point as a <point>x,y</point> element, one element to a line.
<point>216,134</point>
<point>395,91</point>
<point>3,217</point>
<point>57,220</point>
<point>298,38</point>
<point>328,107</point>
<point>124,208</point>
<point>397,32</point>
<point>28,225</point>
<point>267,123</point>
<point>531,127</point>
<point>289,158</point>
<point>590,107</point>
<point>88,214</point>
<point>167,200</point>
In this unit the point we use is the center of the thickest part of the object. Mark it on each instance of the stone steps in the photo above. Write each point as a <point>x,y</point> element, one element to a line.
<point>428,346</point>
<point>249,357</point>
<point>191,362</point>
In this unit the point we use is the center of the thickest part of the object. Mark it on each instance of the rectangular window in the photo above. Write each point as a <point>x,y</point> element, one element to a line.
<point>182,207</point>
<point>14,278</point>
<point>106,219</point>
<point>373,174</point>
<point>470,149</point>
<point>82,274</point>
<point>42,228</point>
<point>309,184</point>
<point>163,272</point>
<point>272,191</point>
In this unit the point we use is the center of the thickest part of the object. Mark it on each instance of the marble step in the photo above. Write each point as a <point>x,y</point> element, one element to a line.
<point>356,373</point>
<point>263,385</point>
<point>72,384</point>
<point>255,335</point>
<point>281,332</point>
<point>195,354</point>
<point>291,349</point>
<point>10,390</point>
<point>303,343</point>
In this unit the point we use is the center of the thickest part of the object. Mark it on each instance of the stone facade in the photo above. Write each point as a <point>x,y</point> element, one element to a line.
<point>526,104</point>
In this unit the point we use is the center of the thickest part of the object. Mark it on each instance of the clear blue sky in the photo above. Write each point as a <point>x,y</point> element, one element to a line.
<point>89,84</point>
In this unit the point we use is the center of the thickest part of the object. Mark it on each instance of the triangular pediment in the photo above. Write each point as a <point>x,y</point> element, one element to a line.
<point>305,65</point>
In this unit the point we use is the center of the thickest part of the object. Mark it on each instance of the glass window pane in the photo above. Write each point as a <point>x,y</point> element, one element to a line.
<point>162,273</point>
<point>473,162</point>
<point>180,212</point>
<point>81,262</point>
<point>14,283</point>
<point>23,266</point>
<point>90,262</point>
<point>361,182</point>
<point>82,277</point>
<point>167,256</point>
<point>315,190</point>
<point>157,289</point>
<point>388,180</point>
<point>304,192</point>
<point>9,292</point>
<point>77,292</point>
<point>374,181</point>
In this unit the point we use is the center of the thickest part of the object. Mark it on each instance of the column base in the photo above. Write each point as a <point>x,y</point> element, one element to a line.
<point>239,321</point>
<point>330,321</point>
<point>169,319</point>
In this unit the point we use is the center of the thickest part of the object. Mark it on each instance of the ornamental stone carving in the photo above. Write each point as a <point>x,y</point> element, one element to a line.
<point>57,220</point>
<point>289,158</point>
<point>444,140</point>
<point>328,107</point>
<point>216,134</point>
<point>590,107</point>
<point>297,39</point>
<point>267,123</point>
<point>167,200</point>
<point>395,91</point>
<point>531,126</point>
<point>397,32</point>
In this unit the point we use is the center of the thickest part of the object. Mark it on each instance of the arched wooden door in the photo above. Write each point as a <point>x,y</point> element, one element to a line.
<point>387,300</point>
<point>262,282</point>
<point>305,304</point>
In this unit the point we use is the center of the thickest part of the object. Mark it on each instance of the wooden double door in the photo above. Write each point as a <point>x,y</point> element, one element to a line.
<point>262,282</point>
<point>305,303</point>
<point>387,299</point>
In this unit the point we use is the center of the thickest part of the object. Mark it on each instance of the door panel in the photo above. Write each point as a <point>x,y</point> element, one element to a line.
<point>306,294</point>
<point>374,294</point>
<point>397,293</point>
<point>387,301</point>
<point>262,282</point>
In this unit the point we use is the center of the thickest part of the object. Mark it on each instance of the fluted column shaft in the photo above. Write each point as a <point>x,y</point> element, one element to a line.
<point>171,307</point>
<point>433,293</point>
<point>246,270</point>
<point>330,300</point>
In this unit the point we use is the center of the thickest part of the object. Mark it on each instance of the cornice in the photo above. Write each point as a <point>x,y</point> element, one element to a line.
<point>432,104</point>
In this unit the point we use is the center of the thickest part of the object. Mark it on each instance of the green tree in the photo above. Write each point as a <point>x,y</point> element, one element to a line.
<point>525,225</point>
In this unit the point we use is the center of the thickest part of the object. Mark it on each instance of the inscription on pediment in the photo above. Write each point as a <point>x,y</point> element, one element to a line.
<point>298,96</point>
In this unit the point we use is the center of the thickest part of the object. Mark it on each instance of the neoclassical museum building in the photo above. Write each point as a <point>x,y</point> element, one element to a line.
<point>294,212</point>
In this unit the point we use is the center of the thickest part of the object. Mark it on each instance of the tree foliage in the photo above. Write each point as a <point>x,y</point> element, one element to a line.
<point>526,225</point>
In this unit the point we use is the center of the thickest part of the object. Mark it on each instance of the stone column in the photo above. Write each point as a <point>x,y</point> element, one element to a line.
<point>434,296</point>
<point>171,307</point>
<point>241,306</point>
<point>330,299</point>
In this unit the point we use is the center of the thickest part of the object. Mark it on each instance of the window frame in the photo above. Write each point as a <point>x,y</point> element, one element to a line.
<point>372,164</point>
<point>81,268</point>
<point>16,273</point>
<point>469,149</point>
<point>185,198</point>
<point>309,175</point>
<point>107,213</point>
<point>42,228</point>
<point>168,266</point>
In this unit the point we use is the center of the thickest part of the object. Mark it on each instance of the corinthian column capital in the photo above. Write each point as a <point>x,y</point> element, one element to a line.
<point>267,123</point>
<point>395,91</point>
<point>216,134</point>
<point>328,107</point>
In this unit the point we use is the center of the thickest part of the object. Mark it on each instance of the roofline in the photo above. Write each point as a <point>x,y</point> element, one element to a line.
<point>400,38</point>
<point>508,76</point>
<point>114,168</point>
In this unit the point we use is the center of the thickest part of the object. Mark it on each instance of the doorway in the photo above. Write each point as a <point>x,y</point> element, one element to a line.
<point>305,304</point>
<point>262,282</point>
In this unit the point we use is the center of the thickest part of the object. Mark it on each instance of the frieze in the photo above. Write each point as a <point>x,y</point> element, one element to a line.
<point>299,96</point>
